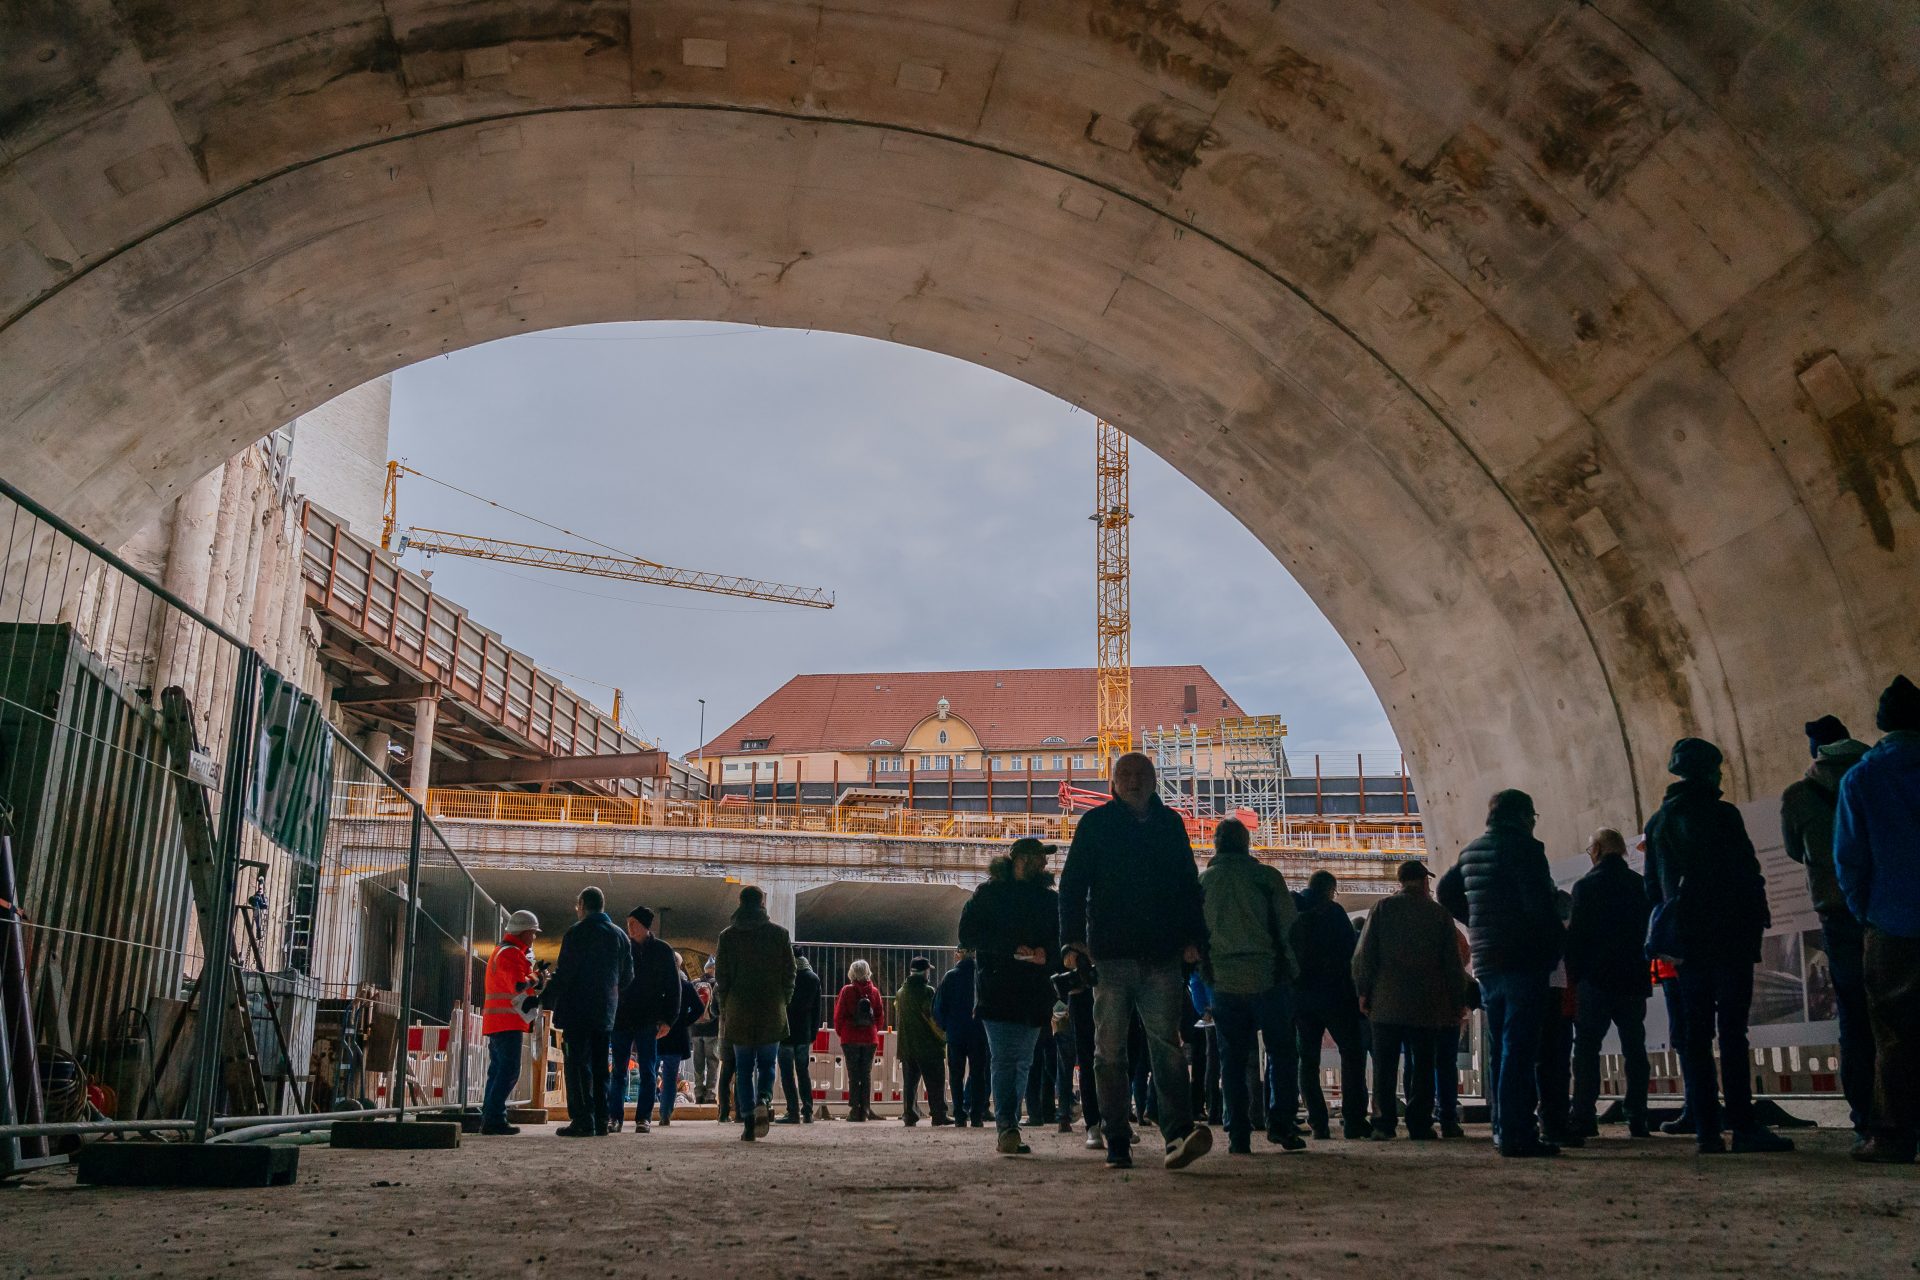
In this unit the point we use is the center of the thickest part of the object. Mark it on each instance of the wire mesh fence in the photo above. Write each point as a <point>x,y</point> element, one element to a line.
<point>199,928</point>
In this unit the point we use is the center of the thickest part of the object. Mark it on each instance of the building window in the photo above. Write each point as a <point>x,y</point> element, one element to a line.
<point>1033,762</point>
<point>880,742</point>
<point>926,762</point>
<point>1053,740</point>
<point>1059,762</point>
<point>754,744</point>
<point>943,737</point>
<point>1079,762</point>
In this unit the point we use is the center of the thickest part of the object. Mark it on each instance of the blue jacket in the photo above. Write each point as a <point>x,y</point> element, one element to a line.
<point>1876,836</point>
<point>953,1005</point>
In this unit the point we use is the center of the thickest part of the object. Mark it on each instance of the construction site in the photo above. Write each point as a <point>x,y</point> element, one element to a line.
<point>1562,353</point>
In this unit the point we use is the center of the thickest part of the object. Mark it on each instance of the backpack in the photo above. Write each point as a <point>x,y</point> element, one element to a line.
<point>863,1012</point>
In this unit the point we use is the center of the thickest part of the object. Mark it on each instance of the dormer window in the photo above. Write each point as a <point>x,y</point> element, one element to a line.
<point>754,744</point>
<point>880,742</point>
<point>1053,740</point>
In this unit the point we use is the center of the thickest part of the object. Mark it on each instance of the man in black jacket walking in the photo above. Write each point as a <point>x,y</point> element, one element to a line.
<point>1502,890</point>
<point>1326,1004</point>
<point>596,962</point>
<point>1701,867</point>
<point>1130,904</point>
<point>648,1006</point>
<point>1607,968</point>
<point>796,1051</point>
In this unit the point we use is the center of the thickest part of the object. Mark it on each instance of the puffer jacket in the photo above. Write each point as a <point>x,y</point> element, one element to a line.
<point>1503,891</point>
<point>1807,811</point>
<point>1005,914</point>
<point>1700,859</point>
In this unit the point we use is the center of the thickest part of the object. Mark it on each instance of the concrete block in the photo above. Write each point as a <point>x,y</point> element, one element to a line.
<point>389,1135</point>
<point>527,1115</point>
<point>184,1164</point>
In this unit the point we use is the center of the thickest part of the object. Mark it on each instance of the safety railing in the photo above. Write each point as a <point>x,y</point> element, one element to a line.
<point>187,945</point>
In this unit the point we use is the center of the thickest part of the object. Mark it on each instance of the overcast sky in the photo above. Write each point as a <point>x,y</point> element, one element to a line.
<point>944,504</point>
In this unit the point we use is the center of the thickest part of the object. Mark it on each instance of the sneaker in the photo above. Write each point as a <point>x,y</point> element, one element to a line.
<point>1450,1129</point>
<point>1184,1151</point>
<point>1009,1144</point>
<point>1879,1150</point>
<point>1758,1141</point>
<point>614,1126</point>
<point>788,1119</point>
<point>762,1120</point>
<point>574,1130</point>
<point>1682,1123</point>
<point>1095,1140</point>
<point>941,1122</point>
<point>500,1130</point>
<point>641,1126</point>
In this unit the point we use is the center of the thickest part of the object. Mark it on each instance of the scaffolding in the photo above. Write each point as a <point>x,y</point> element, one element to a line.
<point>1182,756</point>
<point>1255,752</point>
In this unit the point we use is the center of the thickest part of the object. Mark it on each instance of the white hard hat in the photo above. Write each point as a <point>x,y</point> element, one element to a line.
<point>523,922</point>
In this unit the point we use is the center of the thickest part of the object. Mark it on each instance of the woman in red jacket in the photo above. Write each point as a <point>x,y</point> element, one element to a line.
<point>859,1013</point>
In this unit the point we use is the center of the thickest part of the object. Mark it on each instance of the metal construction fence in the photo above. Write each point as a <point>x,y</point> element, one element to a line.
<point>190,943</point>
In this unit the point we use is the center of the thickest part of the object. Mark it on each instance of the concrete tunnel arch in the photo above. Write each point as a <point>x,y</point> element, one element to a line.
<point>1560,381</point>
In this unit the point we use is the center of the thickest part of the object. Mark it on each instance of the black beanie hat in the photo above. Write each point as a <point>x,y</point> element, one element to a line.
<point>643,914</point>
<point>920,964</point>
<point>1694,758</point>
<point>1899,706</point>
<point>1824,730</point>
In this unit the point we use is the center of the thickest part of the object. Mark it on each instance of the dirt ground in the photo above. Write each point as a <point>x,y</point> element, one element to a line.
<point>838,1199</point>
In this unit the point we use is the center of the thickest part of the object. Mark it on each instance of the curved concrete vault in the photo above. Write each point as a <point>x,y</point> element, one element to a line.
<point>1563,351</point>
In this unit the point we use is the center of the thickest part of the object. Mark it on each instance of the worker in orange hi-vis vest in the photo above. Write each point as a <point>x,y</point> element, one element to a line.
<point>512,995</point>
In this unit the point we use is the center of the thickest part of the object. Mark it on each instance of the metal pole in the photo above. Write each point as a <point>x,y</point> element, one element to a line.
<point>466,1017</point>
<point>702,748</point>
<point>407,963</point>
<point>217,966</point>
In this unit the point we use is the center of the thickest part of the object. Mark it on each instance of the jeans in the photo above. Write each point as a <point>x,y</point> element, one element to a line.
<point>1390,1040</point>
<point>1080,1013</point>
<point>1155,990</point>
<point>706,1061</point>
<point>796,1077</point>
<point>1892,969</point>
<point>723,1092</point>
<point>1553,1069</point>
<point>587,1053</point>
<point>1237,1019</point>
<point>1598,1009</point>
<point>967,1059</point>
<point>1718,995</point>
<point>1446,1073</point>
<point>933,1073</point>
<point>753,1078</point>
<point>503,1072</point>
<point>1677,1031</point>
<point>639,1047</point>
<point>1313,1022</point>
<point>1010,1045</point>
<point>860,1079</point>
<point>1040,1079</point>
<point>1846,963</point>
<point>669,1092</point>
<point>1514,1004</point>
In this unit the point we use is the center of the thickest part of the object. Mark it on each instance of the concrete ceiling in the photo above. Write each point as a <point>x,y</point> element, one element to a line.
<point>1564,351</point>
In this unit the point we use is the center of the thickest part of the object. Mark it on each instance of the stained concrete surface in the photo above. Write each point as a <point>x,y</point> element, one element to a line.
<point>839,1200</point>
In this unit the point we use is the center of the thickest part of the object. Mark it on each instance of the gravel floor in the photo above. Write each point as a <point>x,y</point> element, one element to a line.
<point>880,1200</point>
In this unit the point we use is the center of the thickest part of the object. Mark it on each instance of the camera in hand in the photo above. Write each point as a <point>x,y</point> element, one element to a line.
<point>1071,982</point>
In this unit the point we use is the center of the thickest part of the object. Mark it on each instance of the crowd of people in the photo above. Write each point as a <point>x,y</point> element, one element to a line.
<point>1142,991</point>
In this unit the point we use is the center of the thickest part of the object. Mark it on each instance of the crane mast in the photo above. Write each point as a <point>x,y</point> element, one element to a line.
<point>1113,615</point>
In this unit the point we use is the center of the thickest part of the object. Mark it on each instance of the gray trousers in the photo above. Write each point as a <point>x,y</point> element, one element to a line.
<point>1156,991</point>
<point>706,1067</point>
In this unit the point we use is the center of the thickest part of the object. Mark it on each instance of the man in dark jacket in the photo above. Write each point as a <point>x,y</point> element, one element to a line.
<point>648,1006</point>
<point>753,980</point>
<point>1502,890</point>
<point>1701,868</point>
<point>1607,969</point>
<point>1012,926</point>
<point>677,1045</point>
<point>596,963</point>
<point>1807,812</point>
<point>796,1051</point>
<point>1876,850</point>
<point>967,1057</point>
<point>1130,903</point>
<point>1412,988</point>
<point>1325,1004</point>
<point>921,1046</point>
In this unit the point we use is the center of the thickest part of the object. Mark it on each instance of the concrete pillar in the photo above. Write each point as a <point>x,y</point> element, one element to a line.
<point>424,712</point>
<point>378,744</point>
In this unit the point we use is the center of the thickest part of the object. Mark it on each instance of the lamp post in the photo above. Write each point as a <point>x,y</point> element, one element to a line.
<point>702,748</point>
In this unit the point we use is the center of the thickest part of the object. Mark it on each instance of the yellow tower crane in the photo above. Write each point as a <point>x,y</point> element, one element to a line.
<point>1113,610</point>
<point>609,562</point>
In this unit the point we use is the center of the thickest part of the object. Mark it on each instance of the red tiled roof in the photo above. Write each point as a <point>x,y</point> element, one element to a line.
<point>1006,708</point>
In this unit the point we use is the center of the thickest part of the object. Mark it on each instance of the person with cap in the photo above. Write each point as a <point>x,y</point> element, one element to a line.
<point>1412,988</point>
<point>1250,971</point>
<point>648,1006</point>
<point>796,1051</point>
<point>512,991</point>
<point>1607,970</point>
<point>967,1056</point>
<point>858,1019</point>
<point>1325,1004</point>
<point>1808,810</point>
<point>1503,891</point>
<point>595,965</point>
<point>1876,851</point>
<point>1130,906</point>
<point>1710,909</point>
<point>922,1046</point>
<point>1011,924</point>
<point>706,1037</point>
<point>753,976</point>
